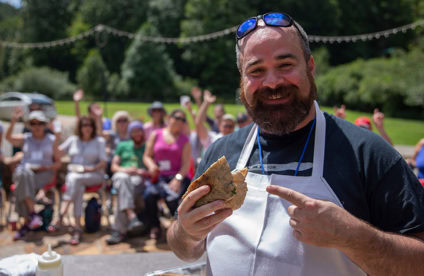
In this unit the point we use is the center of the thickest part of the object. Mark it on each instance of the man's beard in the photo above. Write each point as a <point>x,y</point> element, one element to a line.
<point>280,119</point>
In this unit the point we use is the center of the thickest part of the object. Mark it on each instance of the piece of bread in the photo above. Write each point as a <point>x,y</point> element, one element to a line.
<point>224,185</point>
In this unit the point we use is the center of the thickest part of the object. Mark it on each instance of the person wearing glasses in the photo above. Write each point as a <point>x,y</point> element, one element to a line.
<point>88,161</point>
<point>37,168</point>
<point>167,157</point>
<point>324,197</point>
<point>226,125</point>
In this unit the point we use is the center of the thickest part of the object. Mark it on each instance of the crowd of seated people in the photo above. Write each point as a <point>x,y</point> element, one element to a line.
<point>146,163</point>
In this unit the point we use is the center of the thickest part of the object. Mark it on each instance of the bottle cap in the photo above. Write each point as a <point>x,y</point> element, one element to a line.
<point>49,259</point>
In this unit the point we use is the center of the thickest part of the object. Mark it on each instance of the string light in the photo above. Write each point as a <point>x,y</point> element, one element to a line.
<point>99,29</point>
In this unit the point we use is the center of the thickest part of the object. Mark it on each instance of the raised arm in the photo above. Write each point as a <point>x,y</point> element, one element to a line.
<point>201,130</point>
<point>78,95</point>
<point>15,139</point>
<point>378,118</point>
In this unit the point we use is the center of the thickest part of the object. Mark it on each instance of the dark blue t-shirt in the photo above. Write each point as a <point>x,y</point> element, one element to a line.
<point>370,178</point>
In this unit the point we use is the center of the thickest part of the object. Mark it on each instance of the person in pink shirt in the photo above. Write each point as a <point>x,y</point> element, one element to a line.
<point>167,157</point>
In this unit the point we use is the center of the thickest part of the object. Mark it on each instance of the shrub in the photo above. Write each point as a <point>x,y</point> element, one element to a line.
<point>50,82</point>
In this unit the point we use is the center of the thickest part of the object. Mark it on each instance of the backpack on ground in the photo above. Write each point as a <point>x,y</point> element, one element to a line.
<point>92,216</point>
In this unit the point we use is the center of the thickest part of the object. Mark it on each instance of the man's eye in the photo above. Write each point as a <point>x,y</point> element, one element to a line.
<point>285,65</point>
<point>257,71</point>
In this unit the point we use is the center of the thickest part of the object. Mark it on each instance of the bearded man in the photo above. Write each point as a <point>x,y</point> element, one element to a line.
<point>324,197</point>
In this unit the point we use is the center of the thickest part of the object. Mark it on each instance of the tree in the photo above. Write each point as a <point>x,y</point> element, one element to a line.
<point>125,15</point>
<point>47,20</point>
<point>92,76</point>
<point>147,73</point>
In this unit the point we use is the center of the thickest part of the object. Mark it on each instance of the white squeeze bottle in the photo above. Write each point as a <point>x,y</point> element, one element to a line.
<point>49,264</point>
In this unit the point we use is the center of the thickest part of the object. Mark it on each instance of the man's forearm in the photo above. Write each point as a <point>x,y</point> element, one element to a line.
<point>183,246</point>
<point>381,253</point>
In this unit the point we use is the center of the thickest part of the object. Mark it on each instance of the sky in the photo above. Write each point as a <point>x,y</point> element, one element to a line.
<point>15,3</point>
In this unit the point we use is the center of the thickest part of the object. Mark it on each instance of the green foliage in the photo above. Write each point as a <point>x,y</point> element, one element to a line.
<point>92,76</point>
<point>147,72</point>
<point>393,84</point>
<point>47,81</point>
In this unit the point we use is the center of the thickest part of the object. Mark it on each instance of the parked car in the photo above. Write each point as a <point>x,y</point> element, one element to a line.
<point>10,100</point>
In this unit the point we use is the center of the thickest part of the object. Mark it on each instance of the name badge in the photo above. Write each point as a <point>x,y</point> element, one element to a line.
<point>164,165</point>
<point>37,155</point>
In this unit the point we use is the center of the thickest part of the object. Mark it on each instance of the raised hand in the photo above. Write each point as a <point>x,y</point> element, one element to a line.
<point>18,112</point>
<point>340,112</point>
<point>316,222</point>
<point>208,97</point>
<point>378,118</point>
<point>197,223</point>
<point>78,95</point>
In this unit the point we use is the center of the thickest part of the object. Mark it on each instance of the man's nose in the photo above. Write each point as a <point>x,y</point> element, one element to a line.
<point>271,80</point>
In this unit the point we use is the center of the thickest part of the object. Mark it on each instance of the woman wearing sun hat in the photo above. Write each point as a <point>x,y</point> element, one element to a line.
<point>158,114</point>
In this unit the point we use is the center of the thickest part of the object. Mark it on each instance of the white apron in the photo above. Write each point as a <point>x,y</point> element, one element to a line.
<point>257,238</point>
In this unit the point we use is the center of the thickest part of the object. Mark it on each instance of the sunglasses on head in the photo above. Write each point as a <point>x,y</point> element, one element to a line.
<point>178,118</point>
<point>275,19</point>
<point>37,123</point>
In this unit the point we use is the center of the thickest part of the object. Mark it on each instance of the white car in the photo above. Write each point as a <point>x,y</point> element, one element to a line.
<point>10,100</point>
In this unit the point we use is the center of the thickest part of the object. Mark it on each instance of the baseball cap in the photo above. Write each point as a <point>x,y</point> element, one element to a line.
<point>364,122</point>
<point>37,115</point>
<point>228,117</point>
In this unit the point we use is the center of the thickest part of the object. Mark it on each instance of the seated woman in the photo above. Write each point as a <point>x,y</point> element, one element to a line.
<point>120,122</point>
<point>167,157</point>
<point>38,166</point>
<point>88,160</point>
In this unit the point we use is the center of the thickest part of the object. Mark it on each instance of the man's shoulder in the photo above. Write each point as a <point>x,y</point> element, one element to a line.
<point>341,133</point>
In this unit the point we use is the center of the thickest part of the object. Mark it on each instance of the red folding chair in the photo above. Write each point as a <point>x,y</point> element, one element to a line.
<point>96,189</point>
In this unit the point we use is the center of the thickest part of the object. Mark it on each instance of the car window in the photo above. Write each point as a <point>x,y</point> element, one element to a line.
<point>11,99</point>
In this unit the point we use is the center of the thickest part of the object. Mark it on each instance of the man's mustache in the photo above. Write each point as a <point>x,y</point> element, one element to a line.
<point>266,92</point>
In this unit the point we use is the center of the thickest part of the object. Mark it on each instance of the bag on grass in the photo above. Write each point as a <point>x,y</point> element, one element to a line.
<point>92,216</point>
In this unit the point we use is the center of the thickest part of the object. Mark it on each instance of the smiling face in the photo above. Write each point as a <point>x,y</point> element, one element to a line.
<point>277,85</point>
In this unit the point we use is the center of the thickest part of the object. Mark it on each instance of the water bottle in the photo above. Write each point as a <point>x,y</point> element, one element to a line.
<point>49,264</point>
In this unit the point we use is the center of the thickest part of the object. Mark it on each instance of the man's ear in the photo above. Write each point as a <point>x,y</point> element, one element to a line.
<point>311,65</point>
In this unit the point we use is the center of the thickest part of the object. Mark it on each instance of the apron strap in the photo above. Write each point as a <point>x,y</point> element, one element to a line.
<point>247,148</point>
<point>319,147</point>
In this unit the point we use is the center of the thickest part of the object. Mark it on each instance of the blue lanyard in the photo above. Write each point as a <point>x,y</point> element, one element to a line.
<point>301,156</point>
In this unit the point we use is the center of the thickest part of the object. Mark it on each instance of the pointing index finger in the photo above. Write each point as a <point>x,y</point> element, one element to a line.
<point>290,195</point>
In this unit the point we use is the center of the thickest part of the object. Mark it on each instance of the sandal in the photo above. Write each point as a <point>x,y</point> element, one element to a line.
<point>76,237</point>
<point>53,228</point>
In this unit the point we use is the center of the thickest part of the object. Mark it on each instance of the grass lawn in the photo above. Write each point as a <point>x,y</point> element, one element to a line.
<point>401,131</point>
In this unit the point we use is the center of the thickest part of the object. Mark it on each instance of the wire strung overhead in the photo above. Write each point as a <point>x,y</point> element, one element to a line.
<point>97,30</point>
